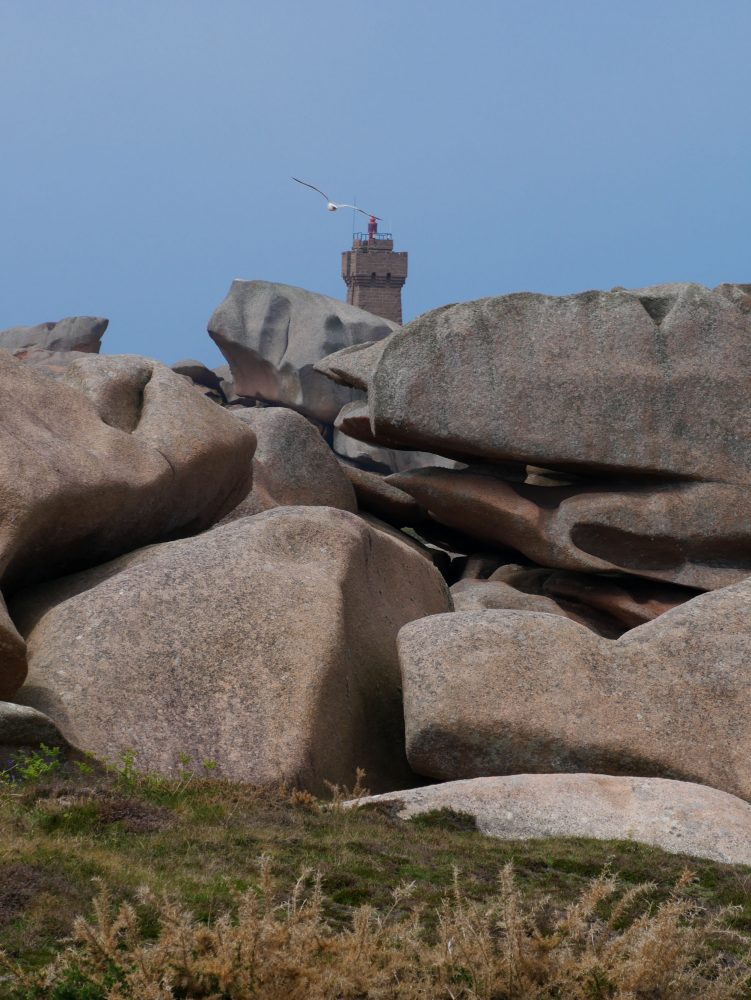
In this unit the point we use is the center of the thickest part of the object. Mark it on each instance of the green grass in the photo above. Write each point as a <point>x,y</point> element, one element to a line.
<point>199,840</point>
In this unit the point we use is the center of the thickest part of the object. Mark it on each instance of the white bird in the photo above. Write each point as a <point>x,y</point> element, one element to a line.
<point>332,206</point>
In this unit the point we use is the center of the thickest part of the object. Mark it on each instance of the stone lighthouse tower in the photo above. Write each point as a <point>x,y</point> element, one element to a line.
<point>374,273</point>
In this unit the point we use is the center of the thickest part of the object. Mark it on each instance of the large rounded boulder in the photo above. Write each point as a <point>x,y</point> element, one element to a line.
<point>120,453</point>
<point>506,692</point>
<point>267,646</point>
<point>116,453</point>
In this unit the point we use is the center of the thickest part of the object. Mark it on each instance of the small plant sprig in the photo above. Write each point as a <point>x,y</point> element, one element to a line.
<point>341,794</point>
<point>130,777</point>
<point>85,767</point>
<point>29,766</point>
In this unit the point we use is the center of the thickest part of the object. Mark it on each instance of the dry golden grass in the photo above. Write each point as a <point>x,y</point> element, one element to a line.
<point>609,943</point>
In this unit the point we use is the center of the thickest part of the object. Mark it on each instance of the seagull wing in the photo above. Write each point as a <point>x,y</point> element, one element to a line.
<point>305,183</point>
<point>361,210</point>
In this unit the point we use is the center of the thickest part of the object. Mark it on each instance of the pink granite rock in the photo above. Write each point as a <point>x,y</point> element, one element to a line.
<point>267,646</point>
<point>119,453</point>
<point>272,335</point>
<point>651,381</point>
<point>504,692</point>
<point>693,534</point>
<point>292,465</point>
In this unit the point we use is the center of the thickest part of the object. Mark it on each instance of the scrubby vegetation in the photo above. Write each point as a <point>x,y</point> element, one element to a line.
<point>209,890</point>
<point>605,944</point>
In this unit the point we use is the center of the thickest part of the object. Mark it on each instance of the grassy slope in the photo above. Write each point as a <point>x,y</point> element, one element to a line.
<point>200,840</point>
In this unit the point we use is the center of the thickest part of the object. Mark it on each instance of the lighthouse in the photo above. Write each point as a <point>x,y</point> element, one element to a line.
<point>374,273</point>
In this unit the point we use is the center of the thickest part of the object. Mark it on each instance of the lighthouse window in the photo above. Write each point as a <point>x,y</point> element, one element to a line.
<point>388,276</point>
<point>372,276</point>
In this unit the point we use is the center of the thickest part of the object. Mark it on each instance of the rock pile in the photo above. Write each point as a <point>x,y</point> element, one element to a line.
<point>615,383</point>
<point>264,583</point>
<point>607,440</point>
<point>635,401</point>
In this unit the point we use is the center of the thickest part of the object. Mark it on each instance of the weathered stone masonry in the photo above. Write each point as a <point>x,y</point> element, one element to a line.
<point>374,275</point>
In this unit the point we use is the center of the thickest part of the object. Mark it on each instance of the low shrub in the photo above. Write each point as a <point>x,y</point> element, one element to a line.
<point>612,942</point>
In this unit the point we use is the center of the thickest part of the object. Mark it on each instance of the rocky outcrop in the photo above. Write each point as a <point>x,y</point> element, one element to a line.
<point>677,816</point>
<point>75,333</point>
<point>267,646</point>
<point>120,453</point>
<point>503,692</point>
<point>272,336</point>
<point>292,465</point>
<point>51,348</point>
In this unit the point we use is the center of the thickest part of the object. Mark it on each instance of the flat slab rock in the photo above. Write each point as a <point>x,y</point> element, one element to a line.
<point>677,816</point>
<point>648,381</point>
<point>494,595</point>
<point>384,460</point>
<point>691,534</point>
<point>608,607</point>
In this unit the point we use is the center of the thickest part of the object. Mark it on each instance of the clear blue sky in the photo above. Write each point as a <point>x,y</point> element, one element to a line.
<point>546,145</point>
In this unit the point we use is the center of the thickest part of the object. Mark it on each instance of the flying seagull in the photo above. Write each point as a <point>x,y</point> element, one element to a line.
<point>332,206</point>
